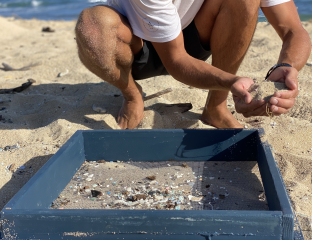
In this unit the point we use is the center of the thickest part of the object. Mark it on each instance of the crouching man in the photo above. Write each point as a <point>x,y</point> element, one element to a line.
<point>130,40</point>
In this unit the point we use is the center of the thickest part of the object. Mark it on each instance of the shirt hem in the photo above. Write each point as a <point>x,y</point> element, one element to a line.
<point>274,4</point>
<point>155,39</point>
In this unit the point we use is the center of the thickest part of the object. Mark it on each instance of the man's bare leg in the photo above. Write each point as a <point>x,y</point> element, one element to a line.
<point>228,27</point>
<point>106,46</point>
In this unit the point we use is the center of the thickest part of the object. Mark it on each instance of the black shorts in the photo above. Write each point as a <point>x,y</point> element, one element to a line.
<point>147,63</point>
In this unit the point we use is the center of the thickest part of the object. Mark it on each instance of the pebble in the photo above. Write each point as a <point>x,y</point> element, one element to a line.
<point>309,64</point>
<point>63,74</point>
<point>194,199</point>
<point>191,184</point>
<point>96,193</point>
<point>88,179</point>
<point>98,109</point>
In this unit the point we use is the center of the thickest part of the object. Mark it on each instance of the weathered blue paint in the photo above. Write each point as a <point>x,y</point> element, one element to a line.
<point>28,214</point>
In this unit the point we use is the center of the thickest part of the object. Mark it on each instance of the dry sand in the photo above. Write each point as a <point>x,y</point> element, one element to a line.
<point>166,185</point>
<point>266,89</point>
<point>42,118</point>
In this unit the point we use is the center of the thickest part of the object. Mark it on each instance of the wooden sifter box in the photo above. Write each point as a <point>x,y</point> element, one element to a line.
<point>28,215</point>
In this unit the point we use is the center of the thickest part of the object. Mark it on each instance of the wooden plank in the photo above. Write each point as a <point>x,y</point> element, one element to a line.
<point>29,216</point>
<point>178,144</point>
<point>46,185</point>
<point>36,223</point>
<point>275,190</point>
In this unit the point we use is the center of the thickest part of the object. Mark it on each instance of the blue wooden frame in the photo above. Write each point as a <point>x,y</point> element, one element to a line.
<point>28,214</point>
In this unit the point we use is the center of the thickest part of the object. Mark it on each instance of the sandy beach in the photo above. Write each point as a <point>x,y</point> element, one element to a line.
<point>36,122</point>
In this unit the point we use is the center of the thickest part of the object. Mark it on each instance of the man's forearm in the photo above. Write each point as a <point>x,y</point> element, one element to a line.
<point>296,49</point>
<point>200,74</point>
<point>189,70</point>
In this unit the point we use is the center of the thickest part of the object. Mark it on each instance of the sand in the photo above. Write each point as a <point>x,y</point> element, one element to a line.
<point>266,89</point>
<point>166,185</point>
<point>37,121</point>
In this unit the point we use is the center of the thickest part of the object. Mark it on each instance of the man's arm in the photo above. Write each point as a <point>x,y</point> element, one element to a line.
<point>191,71</point>
<point>295,51</point>
<point>285,20</point>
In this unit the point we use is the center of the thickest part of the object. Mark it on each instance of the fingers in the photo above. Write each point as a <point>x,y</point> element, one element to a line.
<point>242,94</point>
<point>291,75</point>
<point>240,89</point>
<point>254,108</point>
<point>287,94</point>
<point>281,106</point>
<point>242,107</point>
<point>260,111</point>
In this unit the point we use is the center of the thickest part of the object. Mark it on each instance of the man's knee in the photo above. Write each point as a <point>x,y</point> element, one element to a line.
<point>96,37</point>
<point>95,25</point>
<point>244,10</point>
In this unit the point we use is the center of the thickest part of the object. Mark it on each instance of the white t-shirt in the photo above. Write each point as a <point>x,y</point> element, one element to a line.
<point>162,20</point>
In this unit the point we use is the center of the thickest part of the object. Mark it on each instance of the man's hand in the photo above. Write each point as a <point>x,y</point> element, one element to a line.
<point>279,104</point>
<point>282,102</point>
<point>243,100</point>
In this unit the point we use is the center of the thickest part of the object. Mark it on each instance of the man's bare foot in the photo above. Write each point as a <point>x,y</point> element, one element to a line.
<point>220,117</point>
<point>131,112</point>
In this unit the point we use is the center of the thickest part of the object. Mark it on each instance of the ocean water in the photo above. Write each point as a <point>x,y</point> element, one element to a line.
<point>70,9</point>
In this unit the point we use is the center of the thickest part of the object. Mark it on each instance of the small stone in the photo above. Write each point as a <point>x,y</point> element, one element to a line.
<point>88,179</point>
<point>62,74</point>
<point>22,167</point>
<point>98,109</point>
<point>126,193</point>
<point>101,161</point>
<point>221,196</point>
<point>86,187</point>
<point>309,64</point>
<point>151,177</point>
<point>95,193</point>
<point>11,167</point>
<point>185,165</point>
<point>195,199</point>
<point>137,197</point>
